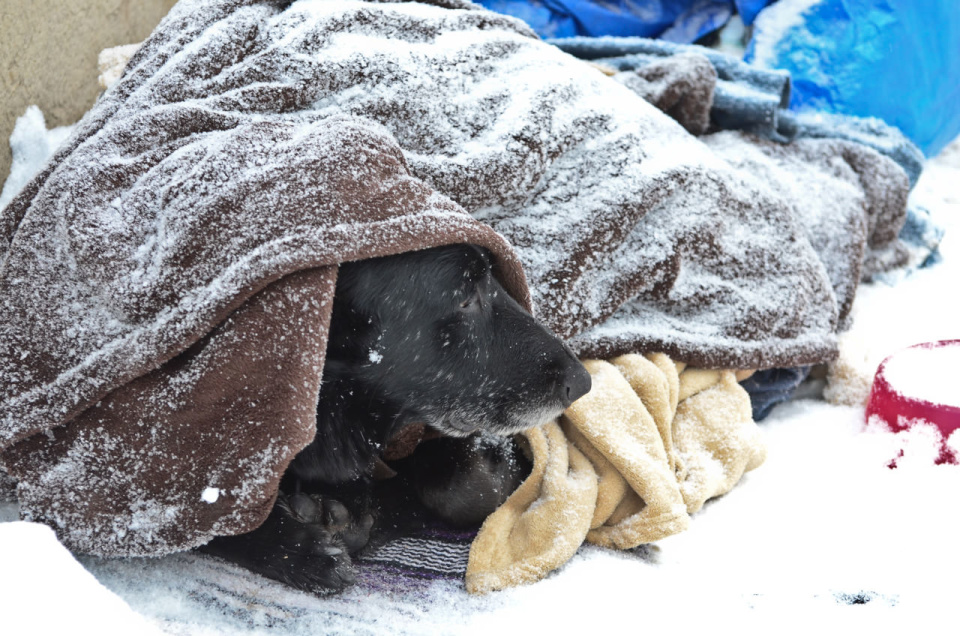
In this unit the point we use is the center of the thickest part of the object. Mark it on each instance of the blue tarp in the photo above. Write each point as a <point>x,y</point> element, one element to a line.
<point>681,21</point>
<point>898,60</point>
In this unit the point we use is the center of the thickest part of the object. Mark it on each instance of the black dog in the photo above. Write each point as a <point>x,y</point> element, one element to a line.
<point>425,337</point>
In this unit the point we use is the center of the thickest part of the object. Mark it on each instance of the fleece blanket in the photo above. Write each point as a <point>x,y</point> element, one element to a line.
<point>166,280</point>
<point>746,97</point>
<point>626,465</point>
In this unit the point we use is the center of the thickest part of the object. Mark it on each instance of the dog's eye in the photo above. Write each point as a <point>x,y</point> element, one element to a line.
<point>472,301</point>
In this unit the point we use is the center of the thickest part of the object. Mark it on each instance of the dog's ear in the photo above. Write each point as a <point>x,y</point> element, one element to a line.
<point>496,269</point>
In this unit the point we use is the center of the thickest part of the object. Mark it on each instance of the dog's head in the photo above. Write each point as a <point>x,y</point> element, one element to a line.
<point>434,333</point>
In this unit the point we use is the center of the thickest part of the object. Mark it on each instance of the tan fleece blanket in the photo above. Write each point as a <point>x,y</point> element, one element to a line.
<point>166,280</point>
<point>626,465</point>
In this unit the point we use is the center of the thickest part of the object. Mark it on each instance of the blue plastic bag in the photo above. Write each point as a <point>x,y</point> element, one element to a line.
<point>898,60</point>
<point>748,9</point>
<point>681,21</point>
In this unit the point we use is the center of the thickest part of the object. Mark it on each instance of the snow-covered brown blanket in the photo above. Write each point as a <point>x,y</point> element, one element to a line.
<point>166,281</point>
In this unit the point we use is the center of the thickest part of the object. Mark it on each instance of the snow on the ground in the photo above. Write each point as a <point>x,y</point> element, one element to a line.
<point>822,535</point>
<point>44,590</point>
<point>31,144</point>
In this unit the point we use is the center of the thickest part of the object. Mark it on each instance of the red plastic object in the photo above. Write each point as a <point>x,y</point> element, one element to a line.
<point>900,410</point>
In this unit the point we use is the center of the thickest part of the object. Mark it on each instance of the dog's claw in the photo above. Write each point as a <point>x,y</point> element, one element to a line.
<point>335,514</point>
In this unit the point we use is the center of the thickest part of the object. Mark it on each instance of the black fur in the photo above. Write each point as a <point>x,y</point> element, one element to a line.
<point>424,337</point>
<point>462,481</point>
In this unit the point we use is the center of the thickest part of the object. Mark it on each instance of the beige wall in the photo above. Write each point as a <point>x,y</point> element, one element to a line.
<point>48,55</point>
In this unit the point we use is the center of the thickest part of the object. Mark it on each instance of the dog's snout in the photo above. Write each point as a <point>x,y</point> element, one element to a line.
<point>575,384</point>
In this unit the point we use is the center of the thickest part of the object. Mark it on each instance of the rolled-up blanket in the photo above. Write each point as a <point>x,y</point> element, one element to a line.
<point>627,465</point>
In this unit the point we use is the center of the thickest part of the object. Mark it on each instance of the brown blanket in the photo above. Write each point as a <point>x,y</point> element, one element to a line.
<point>166,281</point>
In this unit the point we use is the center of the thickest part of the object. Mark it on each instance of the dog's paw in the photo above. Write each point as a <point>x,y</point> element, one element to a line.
<point>304,554</point>
<point>306,543</point>
<point>332,517</point>
<point>325,569</point>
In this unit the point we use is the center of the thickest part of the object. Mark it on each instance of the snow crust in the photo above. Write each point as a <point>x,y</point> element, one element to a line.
<point>921,373</point>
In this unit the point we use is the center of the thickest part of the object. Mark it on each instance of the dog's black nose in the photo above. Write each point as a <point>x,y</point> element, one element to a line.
<point>576,383</point>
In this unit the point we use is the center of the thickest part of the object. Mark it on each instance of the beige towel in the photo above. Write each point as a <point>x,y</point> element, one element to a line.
<point>627,465</point>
